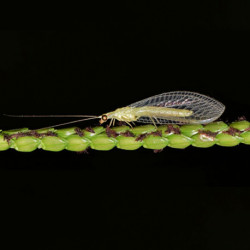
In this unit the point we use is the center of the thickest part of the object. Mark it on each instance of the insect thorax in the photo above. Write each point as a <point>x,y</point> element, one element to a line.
<point>123,114</point>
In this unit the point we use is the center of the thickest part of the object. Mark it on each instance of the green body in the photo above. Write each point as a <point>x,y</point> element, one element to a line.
<point>130,114</point>
<point>126,138</point>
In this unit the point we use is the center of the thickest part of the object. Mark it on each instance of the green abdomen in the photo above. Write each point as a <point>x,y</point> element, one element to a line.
<point>161,112</point>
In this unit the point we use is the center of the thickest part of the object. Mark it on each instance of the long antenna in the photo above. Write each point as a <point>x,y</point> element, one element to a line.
<point>50,115</point>
<point>89,117</point>
<point>66,123</point>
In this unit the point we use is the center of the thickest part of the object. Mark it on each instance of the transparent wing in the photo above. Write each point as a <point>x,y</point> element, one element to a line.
<point>205,109</point>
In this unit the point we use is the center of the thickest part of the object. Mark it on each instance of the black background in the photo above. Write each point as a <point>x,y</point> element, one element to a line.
<point>76,62</point>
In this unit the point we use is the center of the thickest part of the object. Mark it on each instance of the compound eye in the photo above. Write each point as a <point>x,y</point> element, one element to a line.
<point>104,118</point>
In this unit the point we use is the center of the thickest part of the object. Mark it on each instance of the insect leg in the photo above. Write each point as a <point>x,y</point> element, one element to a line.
<point>153,121</point>
<point>129,124</point>
<point>110,123</point>
<point>157,120</point>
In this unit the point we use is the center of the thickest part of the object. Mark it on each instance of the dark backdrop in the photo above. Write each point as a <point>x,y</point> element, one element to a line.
<point>74,63</point>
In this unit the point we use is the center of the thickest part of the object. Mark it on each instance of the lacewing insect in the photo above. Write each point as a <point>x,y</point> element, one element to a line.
<point>179,107</point>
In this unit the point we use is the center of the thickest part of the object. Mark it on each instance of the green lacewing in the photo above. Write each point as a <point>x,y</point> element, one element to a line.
<point>179,107</point>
